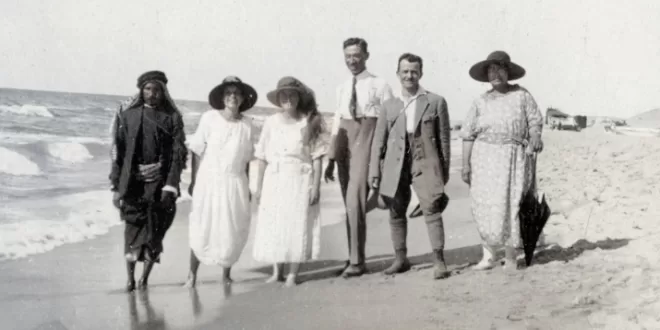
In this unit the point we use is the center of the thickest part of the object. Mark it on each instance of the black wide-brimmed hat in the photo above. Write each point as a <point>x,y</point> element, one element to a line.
<point>479,71</point>
<point>291,83</point>
<point>217,95</point>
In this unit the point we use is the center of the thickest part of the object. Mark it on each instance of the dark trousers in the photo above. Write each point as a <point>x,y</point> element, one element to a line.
<point>353,149</point>
<point>398,206</point>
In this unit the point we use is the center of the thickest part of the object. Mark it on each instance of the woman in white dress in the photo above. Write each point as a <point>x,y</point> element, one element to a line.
<point>289,152</point>
<point>222,149</point>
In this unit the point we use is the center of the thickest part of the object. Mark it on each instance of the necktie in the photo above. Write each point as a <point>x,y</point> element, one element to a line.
<point>353,105</point>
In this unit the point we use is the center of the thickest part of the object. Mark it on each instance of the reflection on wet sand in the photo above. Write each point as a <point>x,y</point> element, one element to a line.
<point>197,308</point>
<point>151,319</point>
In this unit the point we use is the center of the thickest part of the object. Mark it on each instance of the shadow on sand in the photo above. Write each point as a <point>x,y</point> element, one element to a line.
<point>557,253</point>
<point>457,260</point>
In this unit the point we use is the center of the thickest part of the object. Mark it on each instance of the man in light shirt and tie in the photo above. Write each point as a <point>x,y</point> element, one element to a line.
<point>411,146</point>
<point>359,100</point>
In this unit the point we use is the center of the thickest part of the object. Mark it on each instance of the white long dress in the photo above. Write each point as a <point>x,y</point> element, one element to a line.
<point>288,228</point>
<point>220,215</point>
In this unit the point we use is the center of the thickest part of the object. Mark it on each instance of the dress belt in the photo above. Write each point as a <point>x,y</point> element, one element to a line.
<point>501,139</point>
<point>277,165</point>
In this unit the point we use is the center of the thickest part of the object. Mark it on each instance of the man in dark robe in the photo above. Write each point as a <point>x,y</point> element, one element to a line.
<point>149,154</point>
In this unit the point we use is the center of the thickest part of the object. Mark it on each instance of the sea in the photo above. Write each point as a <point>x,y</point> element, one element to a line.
<point>54,167</point>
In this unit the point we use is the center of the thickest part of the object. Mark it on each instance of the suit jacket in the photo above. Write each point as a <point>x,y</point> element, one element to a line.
<point>169,147</point>
<point>430,145</point>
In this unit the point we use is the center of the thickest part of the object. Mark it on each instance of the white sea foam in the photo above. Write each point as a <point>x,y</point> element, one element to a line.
<point>27,110</point>
<point>66,219</point>
<point>70,152</point>
<point>40,226</point>
<point>16,164</point>
<point>23,138</point>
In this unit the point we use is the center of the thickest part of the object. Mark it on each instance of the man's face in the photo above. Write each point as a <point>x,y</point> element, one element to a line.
<point>409,74</point>
<point>355,58</point>
<point>152,94</point>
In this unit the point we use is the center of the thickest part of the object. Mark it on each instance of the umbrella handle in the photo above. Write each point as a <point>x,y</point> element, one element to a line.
<point>533,185</point>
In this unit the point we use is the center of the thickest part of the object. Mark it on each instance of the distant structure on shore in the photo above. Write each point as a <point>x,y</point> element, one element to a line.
<point>556,119</point>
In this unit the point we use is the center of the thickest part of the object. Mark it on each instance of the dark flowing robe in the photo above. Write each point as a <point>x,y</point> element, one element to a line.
<point>145,136</point>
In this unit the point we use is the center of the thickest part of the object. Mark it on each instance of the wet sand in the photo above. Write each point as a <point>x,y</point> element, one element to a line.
<point>600,270</point>
<point>80,286</point>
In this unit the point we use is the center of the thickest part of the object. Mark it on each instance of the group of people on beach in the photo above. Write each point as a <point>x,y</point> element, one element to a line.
<point>381,143</point>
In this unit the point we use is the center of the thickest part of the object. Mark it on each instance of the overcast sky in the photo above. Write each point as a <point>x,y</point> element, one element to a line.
<point>584,57</point>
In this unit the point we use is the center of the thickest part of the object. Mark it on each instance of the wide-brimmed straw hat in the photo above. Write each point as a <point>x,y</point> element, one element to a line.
<point>479,71</point>
<point>217,95</point>
<point>291,83</point>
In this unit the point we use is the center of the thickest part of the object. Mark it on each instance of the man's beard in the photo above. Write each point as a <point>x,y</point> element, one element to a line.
<point>153,102</point>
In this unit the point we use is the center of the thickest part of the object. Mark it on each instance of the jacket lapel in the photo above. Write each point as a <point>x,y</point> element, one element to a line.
<point>422,105</point>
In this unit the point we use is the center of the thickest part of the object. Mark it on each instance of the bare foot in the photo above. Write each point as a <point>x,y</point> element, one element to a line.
<point>130,286</point>
<point>290,281</point>
<point>190,282</point>
<point>142,284</point>
<point>275,278</point>
<point>226,275</point>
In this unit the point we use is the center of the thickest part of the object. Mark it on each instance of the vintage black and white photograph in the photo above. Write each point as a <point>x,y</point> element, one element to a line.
<point>364,164</point>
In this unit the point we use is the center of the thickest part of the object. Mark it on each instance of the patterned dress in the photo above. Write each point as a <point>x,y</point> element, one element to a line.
<point>501,170</point>
<point>288,228</point>
<point>219,221</point>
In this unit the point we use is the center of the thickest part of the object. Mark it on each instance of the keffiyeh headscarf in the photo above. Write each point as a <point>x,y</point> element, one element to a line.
<point>136,100</point>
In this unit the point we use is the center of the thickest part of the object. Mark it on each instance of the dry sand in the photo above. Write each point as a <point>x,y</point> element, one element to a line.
<point>600,271</point>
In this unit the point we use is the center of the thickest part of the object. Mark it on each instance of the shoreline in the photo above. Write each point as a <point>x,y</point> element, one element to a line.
<point>599,271</point>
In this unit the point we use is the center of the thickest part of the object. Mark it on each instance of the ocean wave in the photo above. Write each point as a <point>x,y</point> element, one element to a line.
<point>67,219</point>
<point>14,163</point>
<point>70,152</point>
<point>27,110</point>
<point>24,138</point>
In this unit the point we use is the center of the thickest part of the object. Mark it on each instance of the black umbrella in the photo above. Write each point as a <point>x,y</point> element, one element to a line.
<point>533,214</point>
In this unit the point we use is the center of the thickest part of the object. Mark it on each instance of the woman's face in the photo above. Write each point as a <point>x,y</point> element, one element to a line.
<point>289,100</point>
<point>233,98</point>
<point>498,75</point>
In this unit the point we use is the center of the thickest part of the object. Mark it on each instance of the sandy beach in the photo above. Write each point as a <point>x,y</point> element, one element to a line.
<point>597,271</point>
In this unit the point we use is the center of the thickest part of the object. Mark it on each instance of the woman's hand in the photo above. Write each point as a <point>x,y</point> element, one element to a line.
<point>257,195</point>
<point>466,174</point>
<point>535,142</point>
<point>314,195</point>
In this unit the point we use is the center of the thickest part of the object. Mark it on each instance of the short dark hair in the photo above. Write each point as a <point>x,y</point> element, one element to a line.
<point>356,42</point>
<point>412,58</point>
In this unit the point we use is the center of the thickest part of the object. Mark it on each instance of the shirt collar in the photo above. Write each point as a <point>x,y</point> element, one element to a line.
<point>420,91</point>
<point>362,75</point>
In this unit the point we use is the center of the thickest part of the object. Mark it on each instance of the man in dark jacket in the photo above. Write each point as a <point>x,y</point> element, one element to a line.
<point>149,154</point>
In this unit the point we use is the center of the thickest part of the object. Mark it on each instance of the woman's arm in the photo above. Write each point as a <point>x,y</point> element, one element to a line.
<point>467,153</point>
